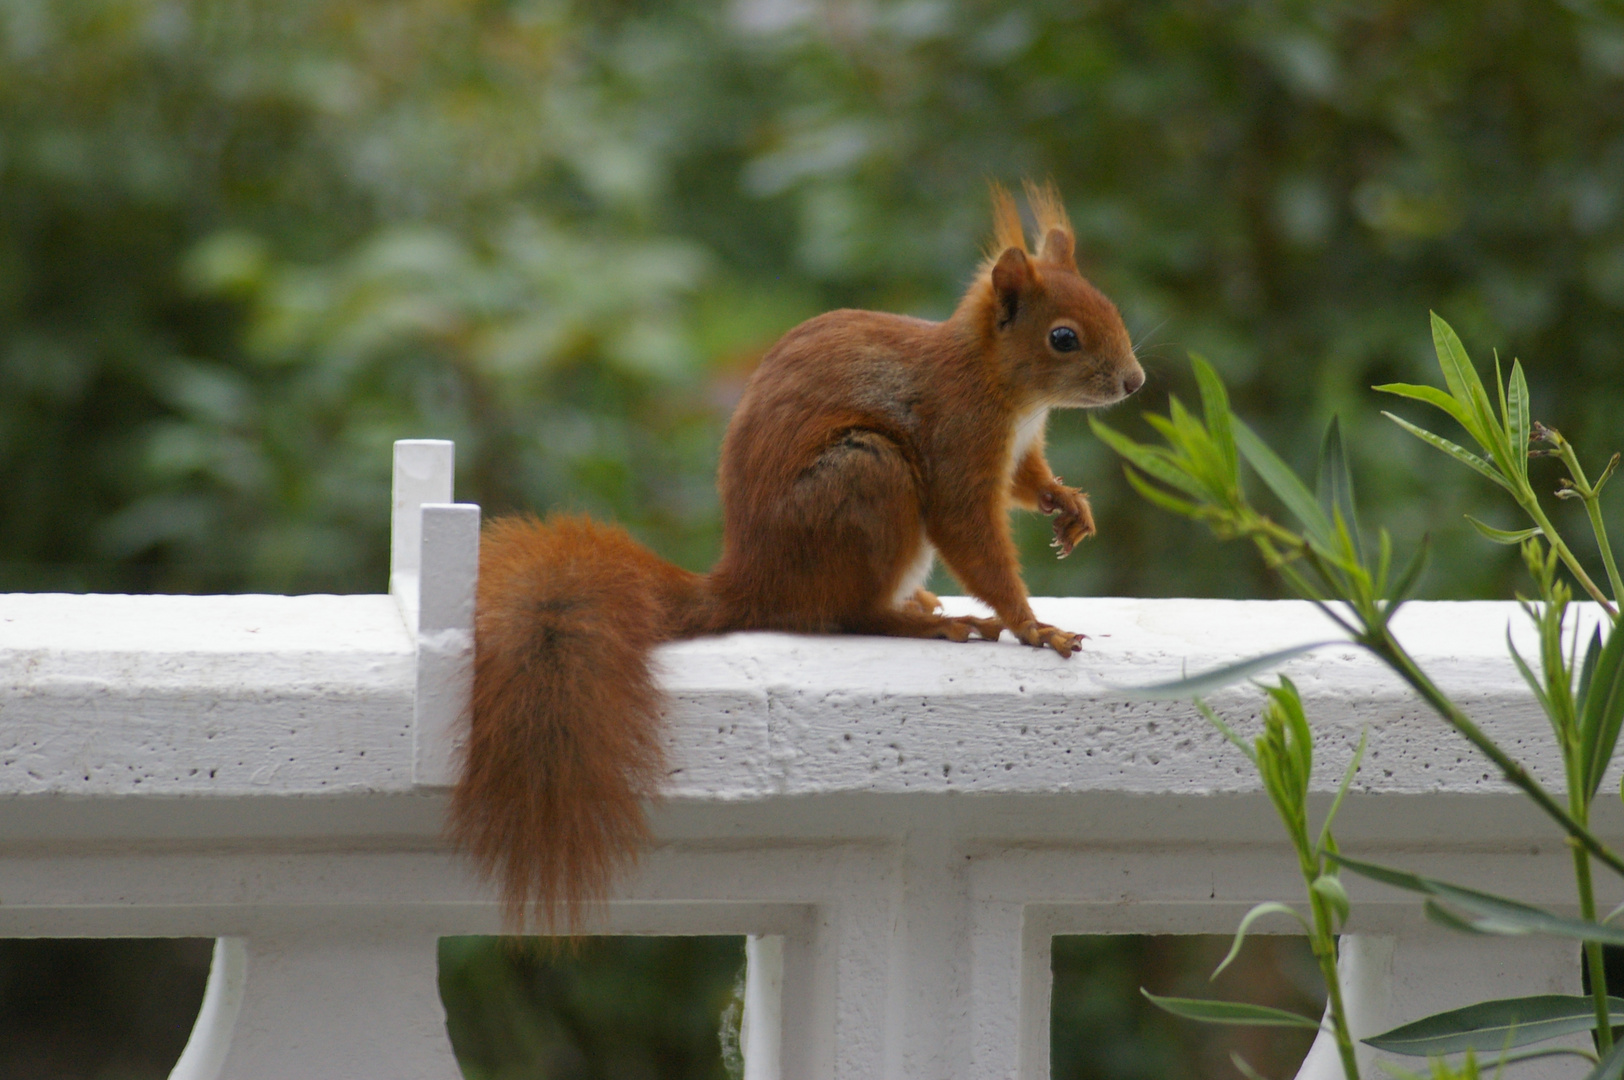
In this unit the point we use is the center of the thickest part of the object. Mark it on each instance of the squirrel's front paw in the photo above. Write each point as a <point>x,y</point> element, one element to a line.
<point>1075,520</point>
<point>1038,635</point>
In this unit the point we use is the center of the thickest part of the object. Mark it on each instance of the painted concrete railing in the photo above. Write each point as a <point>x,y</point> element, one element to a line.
<point>900,826</point>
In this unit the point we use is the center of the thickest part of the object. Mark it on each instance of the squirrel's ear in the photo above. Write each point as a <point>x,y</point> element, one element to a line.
<point>1011,276</point>
<point>1058,249</point>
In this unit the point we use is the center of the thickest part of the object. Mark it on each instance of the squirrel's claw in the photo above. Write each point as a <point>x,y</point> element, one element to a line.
<point>1075,520</point>
<point>1040,635</point>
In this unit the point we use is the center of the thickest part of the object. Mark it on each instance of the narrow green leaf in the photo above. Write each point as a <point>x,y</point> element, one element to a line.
<point>1178,427</point>
<point>1228,732</point>
<point>1215,405</point>
<point>1465,386</point>
<point>1230,1012</point>
<point>1503,536</point>
<point>1384,560</point>
<point>1399,879</point>
<point>1301,741</point>
<point>1335,486</point>
<point>1500,389</point>
<point>1117,441</point>
<point>1410,576</point>
<point>1510,919</point>
<point>1459,453</point>
<point>1429,394</point>
<point>1244,1068</point>
<point>1437,913</point>
<point>1153,460</point>
<point>1173,471</point>
<point>1268,907</point>
<point>1284,483</point>
<point>1491,914</point>
<point>1503,1060</point>
<point>1490,1026</point>
<point>1157,497</point>
<point>1206,682</point>
<point>1602,711</point>
<point>1607,471</point>
<point>1342,791</point>
<point>1518,421</point>
<point>1528,675</point>
<point>1588,670</point>
<point>1110,436</point>
<point>1177,470</point>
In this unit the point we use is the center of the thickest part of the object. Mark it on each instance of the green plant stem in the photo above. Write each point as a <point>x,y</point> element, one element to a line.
<point>1381,642</point>
<point>1325,953</point>
<point>1533,509</point>
<point>1593,951</point>
<point>1599,527</point>
<point>1592,501</point>
<point>1311,862</point>
<point>1579,807</point>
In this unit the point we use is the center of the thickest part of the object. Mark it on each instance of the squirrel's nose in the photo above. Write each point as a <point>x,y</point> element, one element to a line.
<point>1133,380</point>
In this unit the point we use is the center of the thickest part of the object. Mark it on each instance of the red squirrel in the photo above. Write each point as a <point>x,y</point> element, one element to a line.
<point>865,446</point>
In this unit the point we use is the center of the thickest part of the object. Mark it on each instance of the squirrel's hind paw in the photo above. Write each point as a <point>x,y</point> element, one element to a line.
<point>1040,635</point>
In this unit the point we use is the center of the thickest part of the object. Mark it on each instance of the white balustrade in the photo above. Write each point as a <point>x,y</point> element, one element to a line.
<point>900,826</point>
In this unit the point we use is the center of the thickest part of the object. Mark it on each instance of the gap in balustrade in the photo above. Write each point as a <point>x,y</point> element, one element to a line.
<point>91,1008</point>
<point>594,1008</point>
<point>1102,1028</point>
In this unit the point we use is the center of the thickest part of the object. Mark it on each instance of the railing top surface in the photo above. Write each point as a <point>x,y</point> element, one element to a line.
<point>227,696</point>
<point>200,640</point>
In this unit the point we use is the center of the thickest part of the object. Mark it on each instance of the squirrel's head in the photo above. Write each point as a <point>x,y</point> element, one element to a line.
<point>1060,340</point>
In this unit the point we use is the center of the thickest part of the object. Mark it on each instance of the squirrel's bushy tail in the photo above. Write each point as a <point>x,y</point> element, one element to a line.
<point>564,741</point>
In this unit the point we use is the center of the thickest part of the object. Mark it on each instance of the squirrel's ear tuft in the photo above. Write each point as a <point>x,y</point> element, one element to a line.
<point>1057,249</point>
<point>1006,221</point>
<point>1047,207</point>
<point>1011,277</point>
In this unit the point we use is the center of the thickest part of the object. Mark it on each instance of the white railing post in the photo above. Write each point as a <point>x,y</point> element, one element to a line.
<point>1389,980</point>
<point>323,1002</point>
<point>762,1025</point>
<point>434,567</point>
<point>424,469</point>
<point>210,1041</point>
<point>445,639</point>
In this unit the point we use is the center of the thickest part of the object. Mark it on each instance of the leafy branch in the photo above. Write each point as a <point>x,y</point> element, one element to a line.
<point>1325,560</point>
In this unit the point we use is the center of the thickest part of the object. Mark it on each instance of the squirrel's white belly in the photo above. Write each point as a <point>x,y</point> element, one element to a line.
<point>1028,432</point>
<point>916,575</point>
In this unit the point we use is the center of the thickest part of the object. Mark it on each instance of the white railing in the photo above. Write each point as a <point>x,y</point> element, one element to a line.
<point>900,826</point>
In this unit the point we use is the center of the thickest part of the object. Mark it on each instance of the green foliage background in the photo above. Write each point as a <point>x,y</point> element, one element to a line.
<point>245,244</point>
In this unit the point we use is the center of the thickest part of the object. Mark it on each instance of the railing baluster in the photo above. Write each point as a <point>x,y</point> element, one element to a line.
<point>762,1026</point>
<point>210,1041</point>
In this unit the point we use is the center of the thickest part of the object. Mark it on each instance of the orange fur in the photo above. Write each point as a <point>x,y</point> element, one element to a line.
<point>1007,230</point>
<point>863,442</point>
<point>563,743</point>
<point>1047,208</point>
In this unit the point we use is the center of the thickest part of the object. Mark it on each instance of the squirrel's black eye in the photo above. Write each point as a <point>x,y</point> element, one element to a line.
<point>1064,339</point>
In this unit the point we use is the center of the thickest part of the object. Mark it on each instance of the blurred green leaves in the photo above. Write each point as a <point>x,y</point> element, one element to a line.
<point>608,1008</point>
<point>560,233</point>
